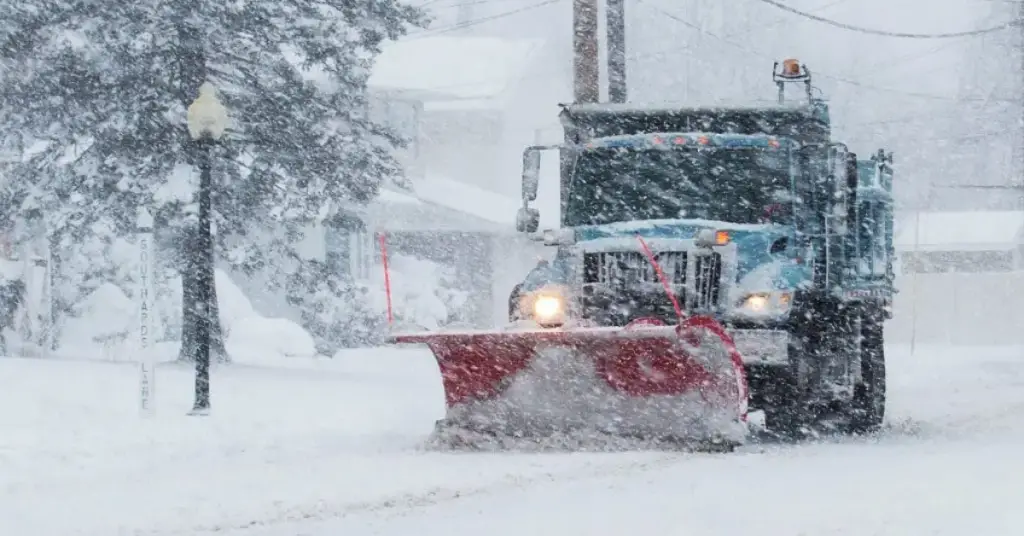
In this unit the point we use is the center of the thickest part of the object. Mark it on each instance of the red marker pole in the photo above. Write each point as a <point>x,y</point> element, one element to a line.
<point>387,276</point>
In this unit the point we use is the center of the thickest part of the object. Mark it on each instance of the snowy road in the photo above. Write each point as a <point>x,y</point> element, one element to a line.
<point>330,448</point>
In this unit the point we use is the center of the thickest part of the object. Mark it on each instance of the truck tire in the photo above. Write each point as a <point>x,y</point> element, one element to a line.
<point>789,406</point>
<point>785,415</point>
<point>867,409</point>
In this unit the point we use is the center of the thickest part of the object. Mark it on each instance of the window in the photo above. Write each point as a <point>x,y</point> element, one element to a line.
<point>349,246</point>
<point>361,252</point>
<point>734,185</point>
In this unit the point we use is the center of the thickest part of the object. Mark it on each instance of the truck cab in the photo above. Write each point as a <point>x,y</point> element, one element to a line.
<point>757,218</point>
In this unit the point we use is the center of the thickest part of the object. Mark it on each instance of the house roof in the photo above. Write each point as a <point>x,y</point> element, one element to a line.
<point>959,231</point>
<point>452,68</point>
<point>440,204</point>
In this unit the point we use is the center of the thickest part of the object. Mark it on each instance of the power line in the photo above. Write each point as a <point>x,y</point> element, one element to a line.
<point>835,78</point>
<point>871,31</point>
<point>886,64</point>
<point>481,20</point>
<point>726,40</point>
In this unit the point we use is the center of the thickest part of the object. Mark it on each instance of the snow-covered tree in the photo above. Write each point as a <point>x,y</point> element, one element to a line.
<point>335,310</point>
<point>93,97</point>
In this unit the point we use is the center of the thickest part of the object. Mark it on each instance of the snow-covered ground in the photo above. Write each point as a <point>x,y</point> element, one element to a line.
<point>331,447</point>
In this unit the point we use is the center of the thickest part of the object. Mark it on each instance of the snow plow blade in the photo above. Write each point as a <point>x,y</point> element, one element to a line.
<point>581,388</point>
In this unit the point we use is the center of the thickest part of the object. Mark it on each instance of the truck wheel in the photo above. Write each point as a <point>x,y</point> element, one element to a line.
<point>781,395</point>
<point>789,406</point>
<point>868,405</point>
<point>784,412</point>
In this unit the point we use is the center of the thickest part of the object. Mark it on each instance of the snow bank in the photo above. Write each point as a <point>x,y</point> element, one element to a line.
<point>261,340</point>
<point>104,327</point>
<point>102,324</point>
<point>234,305</point>
<point>425,294</point>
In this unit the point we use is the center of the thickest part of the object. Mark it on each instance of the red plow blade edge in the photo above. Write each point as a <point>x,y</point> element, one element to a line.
<point>683,383</point>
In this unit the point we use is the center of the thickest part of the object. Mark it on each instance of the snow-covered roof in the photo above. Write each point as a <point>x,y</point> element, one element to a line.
<point>453,67</point>
<point>959,231</point>
<point>440,204</point>
<point>456,195</point>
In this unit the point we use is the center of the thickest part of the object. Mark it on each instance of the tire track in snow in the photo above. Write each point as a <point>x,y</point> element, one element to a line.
<point>966,418</point>
<point>403,503</point>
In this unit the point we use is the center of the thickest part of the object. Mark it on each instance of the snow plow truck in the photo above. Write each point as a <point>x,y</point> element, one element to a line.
<point>709,261</point>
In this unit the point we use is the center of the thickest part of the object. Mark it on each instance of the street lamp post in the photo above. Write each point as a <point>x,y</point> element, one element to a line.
<point>207,121</point>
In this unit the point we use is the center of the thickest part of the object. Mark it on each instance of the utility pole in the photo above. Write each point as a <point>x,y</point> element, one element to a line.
<point>586,77</point>
<point>615,14</point>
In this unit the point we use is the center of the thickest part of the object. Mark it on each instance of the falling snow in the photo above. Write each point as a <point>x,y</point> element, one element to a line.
<point>703,311</point>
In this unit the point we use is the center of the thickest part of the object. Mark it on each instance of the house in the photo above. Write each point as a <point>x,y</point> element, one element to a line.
<point>468,230</point>
<point>470,104</point>
<point>972,241</point>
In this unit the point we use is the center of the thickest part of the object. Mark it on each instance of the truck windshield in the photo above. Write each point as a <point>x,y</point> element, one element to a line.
<point>737,185</point>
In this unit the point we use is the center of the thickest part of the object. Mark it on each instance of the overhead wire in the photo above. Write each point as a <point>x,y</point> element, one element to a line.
<point>726,39</point>
<point>481,20</point>
<point>829,76</point>
<point>885,33</point>
<point>886,64</point>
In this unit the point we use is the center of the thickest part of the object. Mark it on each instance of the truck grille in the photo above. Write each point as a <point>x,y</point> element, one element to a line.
<point>622,269</point>
<point>708,280</point>
<point>626,267</point>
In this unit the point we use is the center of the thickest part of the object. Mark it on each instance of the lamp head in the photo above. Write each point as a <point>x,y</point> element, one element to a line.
<point>207,115</point>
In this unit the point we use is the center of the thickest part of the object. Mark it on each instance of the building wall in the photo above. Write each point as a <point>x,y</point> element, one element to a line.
<point>957,261</point>
<point>958,309</point>
<point>463,145</point>
<point>404,116</point>
<point>480,142</point>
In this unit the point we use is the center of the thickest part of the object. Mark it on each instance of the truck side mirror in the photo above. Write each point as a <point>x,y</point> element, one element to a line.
<point>531,173</point>
<point>527,220</point>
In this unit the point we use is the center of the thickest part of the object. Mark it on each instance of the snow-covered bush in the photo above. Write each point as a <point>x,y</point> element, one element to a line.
<point>340,312</point>
<point>425,294</point>
<point>102,322</point>
<point>334,308</point>
<point>232,303</point>
<point>107,317</point>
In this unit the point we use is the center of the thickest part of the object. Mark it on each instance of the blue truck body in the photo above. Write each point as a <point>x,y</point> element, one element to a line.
<point>801,275</point>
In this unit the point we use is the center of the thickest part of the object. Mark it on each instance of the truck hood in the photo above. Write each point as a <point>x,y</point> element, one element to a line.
<point>674,229</point>
<point>756,269</point>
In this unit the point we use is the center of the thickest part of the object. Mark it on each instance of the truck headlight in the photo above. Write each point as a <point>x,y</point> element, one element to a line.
<point>765,303</point>
<point>547,306</point>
